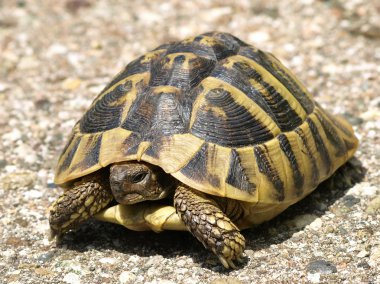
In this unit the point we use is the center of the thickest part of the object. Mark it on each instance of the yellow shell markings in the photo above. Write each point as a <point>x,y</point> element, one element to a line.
<point>165,89</point>
<point>206,40</point>
<point>111,136</point>
<point>279,66</point>
<point>239,97</point>
<point>130,96</point>
<point>218,166</point>
<point>271,80</point>
<point>135,78</point>
<point>342,126</point>
<point>267,192</point>
<point>175,152</point>
<point>187,57</point>
<point>116,138</point>
<point>151,55</point>
<point>327,169</point>
<point>302,159</point>
<point>249,165</point>
<point>209,41</point>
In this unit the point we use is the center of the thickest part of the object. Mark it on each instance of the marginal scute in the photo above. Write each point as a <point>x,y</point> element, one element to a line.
<point>172,152</point>
<point>311,166</point>
<point>198,168</point>
<point>268,160</point>
<point>68,154</point>
<point>291,152</point>
<point>331,134</point>
<point>87,152</point>
<point>237,176</point>
<point>320,145</point>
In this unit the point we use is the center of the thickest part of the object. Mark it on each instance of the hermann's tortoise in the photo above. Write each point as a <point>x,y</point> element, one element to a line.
<point>219,129</point>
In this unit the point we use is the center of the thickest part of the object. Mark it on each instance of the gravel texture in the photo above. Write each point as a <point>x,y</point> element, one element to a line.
<point>55,56</point>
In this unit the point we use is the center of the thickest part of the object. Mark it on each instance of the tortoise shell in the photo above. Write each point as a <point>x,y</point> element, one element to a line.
<point>219,115</point>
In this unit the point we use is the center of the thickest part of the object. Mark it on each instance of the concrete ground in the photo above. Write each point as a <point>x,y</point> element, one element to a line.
<point>55,56</point>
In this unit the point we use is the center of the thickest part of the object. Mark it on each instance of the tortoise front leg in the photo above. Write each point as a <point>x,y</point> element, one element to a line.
<point>76,205</point>
<point>207,222</point>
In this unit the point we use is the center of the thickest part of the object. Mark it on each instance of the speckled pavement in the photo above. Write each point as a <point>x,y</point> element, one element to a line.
<point>55,56</point>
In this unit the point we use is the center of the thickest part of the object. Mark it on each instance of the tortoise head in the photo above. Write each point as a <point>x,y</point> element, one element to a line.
<point>133,182</point>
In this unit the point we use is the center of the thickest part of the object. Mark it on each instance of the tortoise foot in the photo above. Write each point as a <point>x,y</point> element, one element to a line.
<point>210,225</point>
<point>77,204</point>
<point>347,175</point>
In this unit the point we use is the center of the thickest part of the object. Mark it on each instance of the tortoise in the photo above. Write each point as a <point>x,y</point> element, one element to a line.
<point>208,134</point>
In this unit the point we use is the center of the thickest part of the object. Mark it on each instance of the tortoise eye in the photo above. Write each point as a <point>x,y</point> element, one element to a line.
<point>139,177</point>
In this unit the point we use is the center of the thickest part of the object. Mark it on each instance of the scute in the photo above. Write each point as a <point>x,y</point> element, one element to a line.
<point>219,115</point>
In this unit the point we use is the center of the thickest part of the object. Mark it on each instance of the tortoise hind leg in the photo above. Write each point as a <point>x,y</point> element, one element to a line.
<point>347,175</point>
<point>76,205</point>
<point>207,222</point>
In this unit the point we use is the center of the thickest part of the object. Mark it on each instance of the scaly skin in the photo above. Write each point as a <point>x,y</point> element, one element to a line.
<point>88,196</point>
<point>346,176</point>
<point>210,225</point>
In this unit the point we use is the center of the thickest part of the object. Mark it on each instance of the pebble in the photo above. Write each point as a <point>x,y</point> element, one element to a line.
<point>374,258</point>
<point>46,257</point>
<point>108,260</point>
<point>363,264</point>
<point>18,180</point>
<point>314,277</point>
<point>70,84</point>
<point>302,221</point>
<point>26,153</point>
<point>373,206</point>
<point>258,37</point>
<point>181,263</point>
<point>72,265</point>
<point>71,278</point>
<point>56,49</point>
<point>3,87</point>
<point>43,271</point>
<point>160,281</point>
<point>127,277</point>
<point>13,136</point>
<point>190,280</point>
<point>316,224</point>
<point>321,266</point>
<point>362,254</point>
<point>364,189</point>
<point>27,63</point>
<point>371,115</point>
<point>33,194</point>
<point>227,280</point>
<point>218,12</point>
<point>350,200</point>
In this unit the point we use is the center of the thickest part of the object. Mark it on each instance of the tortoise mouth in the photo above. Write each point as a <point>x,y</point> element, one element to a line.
<point>130,198</point>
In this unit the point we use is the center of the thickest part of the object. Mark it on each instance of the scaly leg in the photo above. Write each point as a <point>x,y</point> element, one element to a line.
<point>76,205</point>
<point>207,222</point>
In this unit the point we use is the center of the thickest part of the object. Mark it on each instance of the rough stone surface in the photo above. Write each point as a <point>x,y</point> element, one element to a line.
<point>321,266</point>
<point>57,55</point>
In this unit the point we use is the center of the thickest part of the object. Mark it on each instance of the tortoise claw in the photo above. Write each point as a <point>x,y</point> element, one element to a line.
<point>227,263</point>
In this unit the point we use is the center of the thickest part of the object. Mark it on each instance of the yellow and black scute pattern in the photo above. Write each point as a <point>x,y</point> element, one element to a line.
<point>219,115</point>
